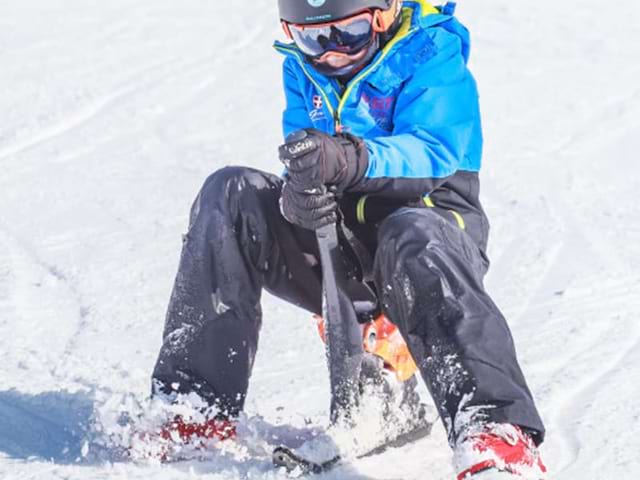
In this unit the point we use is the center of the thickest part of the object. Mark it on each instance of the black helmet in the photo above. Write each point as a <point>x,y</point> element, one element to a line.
<point>317,11</point>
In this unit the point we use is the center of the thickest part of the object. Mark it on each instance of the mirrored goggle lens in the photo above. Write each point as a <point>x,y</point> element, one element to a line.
<point>344,38</point>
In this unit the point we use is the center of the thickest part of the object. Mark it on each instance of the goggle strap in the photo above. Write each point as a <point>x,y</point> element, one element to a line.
<point>286,29</point>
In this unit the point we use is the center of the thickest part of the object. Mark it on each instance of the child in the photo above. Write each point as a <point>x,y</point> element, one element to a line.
<point>381,108</point>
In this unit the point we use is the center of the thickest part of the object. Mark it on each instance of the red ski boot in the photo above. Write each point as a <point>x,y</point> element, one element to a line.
<point>179,430</point>
<point>498,448</point>
<point>179,438</point>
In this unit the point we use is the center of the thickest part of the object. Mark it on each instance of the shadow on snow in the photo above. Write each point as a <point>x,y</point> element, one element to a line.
<point>49,426</point>
<point>54,426</point>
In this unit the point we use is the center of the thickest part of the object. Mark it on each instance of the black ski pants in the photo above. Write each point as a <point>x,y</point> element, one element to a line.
<point>428,272</point>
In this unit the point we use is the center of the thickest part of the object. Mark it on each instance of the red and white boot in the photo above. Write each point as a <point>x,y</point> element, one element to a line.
<point>180,436</point>
<point>498,451</point>
<point>190,432</point>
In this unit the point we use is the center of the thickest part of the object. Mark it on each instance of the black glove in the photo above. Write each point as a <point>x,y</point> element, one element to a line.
<point>308,209</point>
<point>315,159</point>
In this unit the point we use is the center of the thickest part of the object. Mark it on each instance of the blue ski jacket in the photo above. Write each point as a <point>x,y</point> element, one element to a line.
<point>416,107</point>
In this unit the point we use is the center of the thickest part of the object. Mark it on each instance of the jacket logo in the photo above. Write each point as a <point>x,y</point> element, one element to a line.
<point>317,113</point>
<point>379,104</point>
<point>381,109</point>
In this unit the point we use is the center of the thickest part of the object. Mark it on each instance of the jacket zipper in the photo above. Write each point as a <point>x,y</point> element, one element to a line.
<point>336,113</point>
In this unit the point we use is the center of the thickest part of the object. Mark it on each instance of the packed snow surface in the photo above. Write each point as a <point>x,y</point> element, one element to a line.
<point>114,113</point>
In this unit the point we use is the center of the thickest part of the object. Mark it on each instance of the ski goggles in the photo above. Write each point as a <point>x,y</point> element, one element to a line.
<point>346,37</point>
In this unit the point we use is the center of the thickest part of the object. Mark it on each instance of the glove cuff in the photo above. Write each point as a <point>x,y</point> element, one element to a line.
<point>356,160</point>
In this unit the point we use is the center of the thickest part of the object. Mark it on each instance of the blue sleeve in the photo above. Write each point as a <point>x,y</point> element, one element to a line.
<point>436,127</point>
<point>295,116</point>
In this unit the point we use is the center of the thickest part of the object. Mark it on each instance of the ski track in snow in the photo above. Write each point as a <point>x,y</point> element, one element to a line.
<point>145,78</point>
<point>113,116</point>
<point>65,287</point>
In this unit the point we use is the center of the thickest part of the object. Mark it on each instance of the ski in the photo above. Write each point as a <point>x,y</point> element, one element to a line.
<point>284,457</point>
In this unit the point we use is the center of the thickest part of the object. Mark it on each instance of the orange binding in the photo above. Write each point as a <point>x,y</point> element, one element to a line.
<point>382,338</point>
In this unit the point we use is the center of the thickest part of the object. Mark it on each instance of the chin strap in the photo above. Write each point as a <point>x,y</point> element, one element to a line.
<point>386,36</point>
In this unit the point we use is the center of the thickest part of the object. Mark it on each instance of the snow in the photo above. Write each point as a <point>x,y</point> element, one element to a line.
<point>114,113</point>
